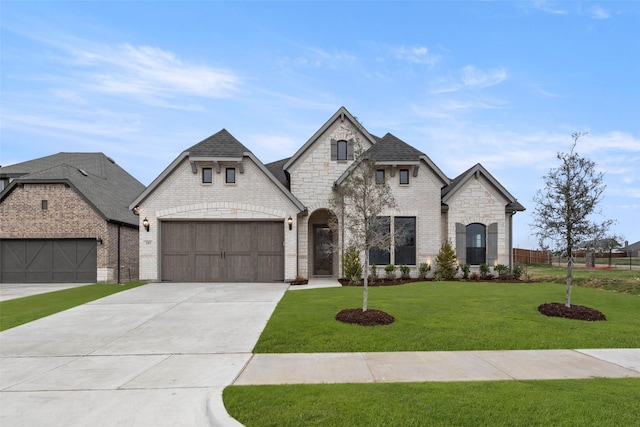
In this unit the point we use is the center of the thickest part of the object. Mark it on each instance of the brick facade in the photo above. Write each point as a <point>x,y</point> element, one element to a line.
<point>67,216</point>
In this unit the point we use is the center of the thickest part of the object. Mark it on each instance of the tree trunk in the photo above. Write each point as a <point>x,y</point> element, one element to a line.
<point>365,281</point>
<point>567,299</point>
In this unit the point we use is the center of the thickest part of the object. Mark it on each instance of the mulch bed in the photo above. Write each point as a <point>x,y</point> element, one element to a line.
<point>364,318</point>
<point>577,312</point>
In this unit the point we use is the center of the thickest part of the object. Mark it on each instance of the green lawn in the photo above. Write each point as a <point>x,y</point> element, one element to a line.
<point>18,311</point>
<point>593,402</point>
<point>449,316</point>
<point>615,279</point>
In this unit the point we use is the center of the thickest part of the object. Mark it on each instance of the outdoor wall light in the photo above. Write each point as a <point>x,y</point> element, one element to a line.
<point>145,223</point>
<point>290,222</point>
<point>98,240</point>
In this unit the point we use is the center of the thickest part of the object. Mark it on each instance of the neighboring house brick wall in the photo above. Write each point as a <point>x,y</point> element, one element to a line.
<point>68,216</point>
<point>183,196</point>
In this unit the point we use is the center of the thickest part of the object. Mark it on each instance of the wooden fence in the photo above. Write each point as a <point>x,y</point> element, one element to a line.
<point>528,256</point>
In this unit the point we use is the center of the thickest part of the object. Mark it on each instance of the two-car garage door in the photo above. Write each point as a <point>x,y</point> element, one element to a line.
<point>222,251</point>
<point>54,260</point>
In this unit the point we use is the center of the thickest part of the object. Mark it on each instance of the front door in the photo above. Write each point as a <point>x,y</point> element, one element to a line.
<point>322,251</point>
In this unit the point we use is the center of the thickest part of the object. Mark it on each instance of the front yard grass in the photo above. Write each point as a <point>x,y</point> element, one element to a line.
<point>18,311</point>
<point>447,316</point>
<point>592,402</point>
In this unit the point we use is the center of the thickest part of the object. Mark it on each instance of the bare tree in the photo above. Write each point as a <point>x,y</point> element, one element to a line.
<point>567,203</point>
<point>358,202</point>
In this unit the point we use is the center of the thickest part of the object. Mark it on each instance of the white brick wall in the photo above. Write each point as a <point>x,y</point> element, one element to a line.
<point>183,196</point>
<point>478,202</point>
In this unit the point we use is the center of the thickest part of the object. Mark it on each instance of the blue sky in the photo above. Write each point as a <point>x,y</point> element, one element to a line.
<point>501,83</point>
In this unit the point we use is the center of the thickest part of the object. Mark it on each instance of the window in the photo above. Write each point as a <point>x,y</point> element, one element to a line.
<point>404,176</point>
<point>380,176</point>
<point>404,245</point>
<point>230,175</point>
<point>342,150</point>
<point>382,227</point>
<point>45,205</point>
<point>476,244</point>
<point>404,230</point>
<point>207,176</point>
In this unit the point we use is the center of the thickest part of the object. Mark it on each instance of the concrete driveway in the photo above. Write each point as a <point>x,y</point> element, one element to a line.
<point>157,355</point>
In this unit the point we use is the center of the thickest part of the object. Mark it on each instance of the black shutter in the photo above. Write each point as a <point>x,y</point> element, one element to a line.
<point>334,149</point>
<point>492,243</point>
<point>350,150</point>
<point>461,243</point>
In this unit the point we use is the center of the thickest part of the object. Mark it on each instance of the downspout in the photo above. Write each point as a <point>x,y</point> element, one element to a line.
<point>118,266</point>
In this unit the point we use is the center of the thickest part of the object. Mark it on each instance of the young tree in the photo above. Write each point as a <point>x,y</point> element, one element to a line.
<point>567,203</point>
<point>358,202</point>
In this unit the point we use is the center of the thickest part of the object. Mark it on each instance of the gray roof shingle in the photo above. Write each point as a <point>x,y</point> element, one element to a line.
<point>220,144</point>
<point>390,148</point>
<point>97,178</point>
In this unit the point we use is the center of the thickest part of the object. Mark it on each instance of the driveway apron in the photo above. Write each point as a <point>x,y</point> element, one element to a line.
<point>157,355</point>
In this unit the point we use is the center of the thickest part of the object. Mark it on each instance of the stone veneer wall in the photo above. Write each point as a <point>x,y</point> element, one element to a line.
<point>183,196</point>
<point>478,202</point>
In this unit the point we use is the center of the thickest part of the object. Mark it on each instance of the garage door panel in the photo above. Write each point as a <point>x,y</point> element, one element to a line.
<point>39,261</point>
<point>224,251</point>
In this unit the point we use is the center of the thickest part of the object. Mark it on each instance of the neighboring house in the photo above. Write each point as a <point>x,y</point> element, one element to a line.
<point>633,248</point>
<point>219,214</point>
<point>65,218</point>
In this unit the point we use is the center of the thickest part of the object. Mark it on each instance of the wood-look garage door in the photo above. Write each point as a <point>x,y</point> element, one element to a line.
<point>222,251</point>
<point>42,261</point>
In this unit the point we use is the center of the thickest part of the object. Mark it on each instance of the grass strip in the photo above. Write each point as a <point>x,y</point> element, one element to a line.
<point>591,402</point>
<point>448,316</point>
<point>19,311</point>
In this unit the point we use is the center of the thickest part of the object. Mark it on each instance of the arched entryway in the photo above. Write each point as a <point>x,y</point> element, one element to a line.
<point>323,243</point>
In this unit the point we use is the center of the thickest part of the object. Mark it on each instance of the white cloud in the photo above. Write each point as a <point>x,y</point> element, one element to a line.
<point>472,77</point>
<point>599,12</point>
<point>151,71</point>
<point>416,55</point>
<point>549,7</point>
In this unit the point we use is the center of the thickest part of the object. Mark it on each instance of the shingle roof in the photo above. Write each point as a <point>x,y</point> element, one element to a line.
<point>277,169</point>
<point>97,178</point>
<point>220,144</point>
<point>512,205</point>
<point>391,148</point>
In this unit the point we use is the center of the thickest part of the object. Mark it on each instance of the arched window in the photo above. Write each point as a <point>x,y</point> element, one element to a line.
<point>476,244</point>
<point>342,150</point>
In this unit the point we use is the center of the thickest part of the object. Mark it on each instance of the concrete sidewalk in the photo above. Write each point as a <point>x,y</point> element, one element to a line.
<point>322,368</point>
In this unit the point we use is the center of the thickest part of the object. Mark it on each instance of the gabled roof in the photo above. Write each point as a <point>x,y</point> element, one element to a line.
<point>221,146</point>
<point>391,150</point>
<point>97,178</point>
<point>277,169</point>
<point>341,114</point>
<point>475,171</point>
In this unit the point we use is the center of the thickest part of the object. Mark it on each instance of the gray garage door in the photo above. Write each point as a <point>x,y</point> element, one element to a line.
<point>222,251</point>
<point>42,261</point>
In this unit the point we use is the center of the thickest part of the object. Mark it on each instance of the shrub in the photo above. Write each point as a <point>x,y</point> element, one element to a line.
<point>446,262</point>
<point>374,272</point>
<point>485,271</point>
<point>474,276</point>
<point>466,268</point>
<point>502,270</point>
<point>391,271</point>
<point>517,271</point>
<point>351,264</point>
<point>423,269</point>
<point>404,271</point>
